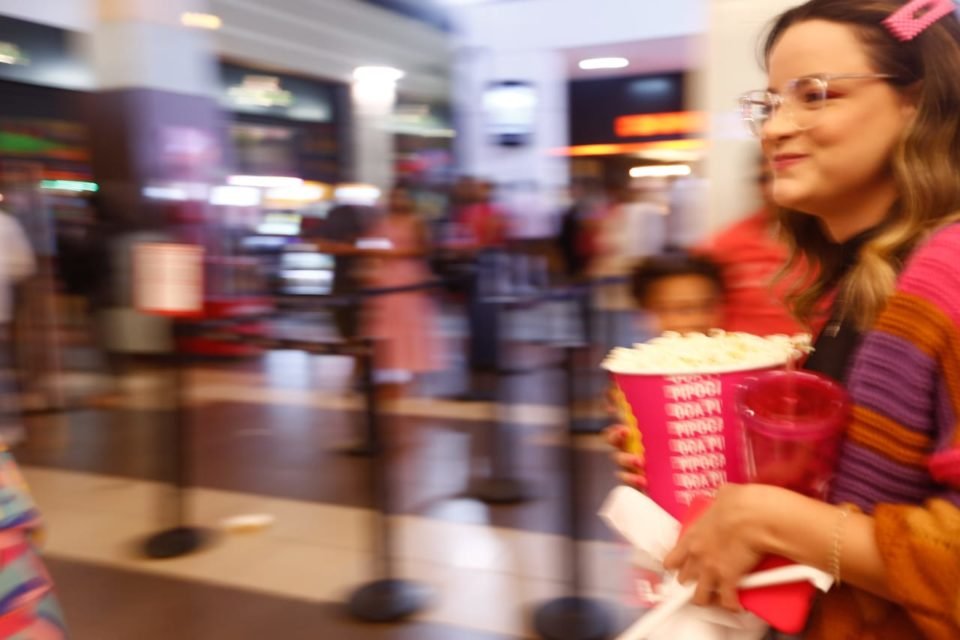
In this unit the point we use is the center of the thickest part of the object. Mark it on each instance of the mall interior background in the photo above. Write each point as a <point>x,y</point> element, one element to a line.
<point>237,126</point>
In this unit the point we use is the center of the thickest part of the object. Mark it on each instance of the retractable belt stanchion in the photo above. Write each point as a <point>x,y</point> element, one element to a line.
<point>591,424</point>
<point>502,484</point>
<point>365,446</point>
<point>575,617</point>
<point>387,599</point>
<point>181,538</point>
<point>588,423</point>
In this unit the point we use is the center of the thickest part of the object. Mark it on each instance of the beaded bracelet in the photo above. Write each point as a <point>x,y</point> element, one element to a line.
<point>837,548</point>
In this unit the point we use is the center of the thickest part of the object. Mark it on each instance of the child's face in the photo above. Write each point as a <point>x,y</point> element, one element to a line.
<point>687,303</point>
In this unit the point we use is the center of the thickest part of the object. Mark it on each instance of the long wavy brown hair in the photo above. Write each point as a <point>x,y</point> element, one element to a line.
<point>925,165</point>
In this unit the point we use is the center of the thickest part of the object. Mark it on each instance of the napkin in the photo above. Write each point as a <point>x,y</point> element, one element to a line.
<point>653,533</point>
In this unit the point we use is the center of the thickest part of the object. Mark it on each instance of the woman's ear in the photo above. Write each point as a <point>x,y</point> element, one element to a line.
<point>910,101</point>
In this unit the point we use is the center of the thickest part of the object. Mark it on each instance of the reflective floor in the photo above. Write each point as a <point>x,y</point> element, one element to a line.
<point>268,436</point>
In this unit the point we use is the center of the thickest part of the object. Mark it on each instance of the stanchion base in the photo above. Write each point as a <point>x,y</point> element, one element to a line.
<point>592,425</point>
<point>388,601</point>
<point>475,396</point>
<point>174,543</point>
<point>501,491</point>
<point>573,619</point>
<point>358,450</point>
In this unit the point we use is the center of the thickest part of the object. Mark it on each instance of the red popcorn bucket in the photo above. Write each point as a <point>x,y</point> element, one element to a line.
<point>688,430</point>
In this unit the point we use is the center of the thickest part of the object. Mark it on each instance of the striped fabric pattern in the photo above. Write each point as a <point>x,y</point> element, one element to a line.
<point>905,384</point>
<point>28,604</point>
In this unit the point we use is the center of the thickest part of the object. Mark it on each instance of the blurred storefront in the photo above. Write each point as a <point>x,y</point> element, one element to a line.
<point>43,137</point>
<point>630,127</point>
<point>285,125</point>
<point>278,124</point>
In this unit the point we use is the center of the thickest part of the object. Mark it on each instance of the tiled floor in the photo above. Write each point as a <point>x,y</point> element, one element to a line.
<point>115,604</point>
<point>267,439</point>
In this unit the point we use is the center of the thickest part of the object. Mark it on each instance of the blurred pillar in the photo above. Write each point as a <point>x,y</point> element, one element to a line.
<point>155,118</point>
<point>731,66</point>
<point>531,176</point>
<point>374,96</point>
<point>156,129</point>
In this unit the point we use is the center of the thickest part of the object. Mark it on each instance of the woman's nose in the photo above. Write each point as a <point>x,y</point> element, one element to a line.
<point>778,125</point>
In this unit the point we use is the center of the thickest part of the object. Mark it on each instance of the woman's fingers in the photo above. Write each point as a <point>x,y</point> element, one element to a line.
<point>706,593</point>
<point>632,480</point>
<point>632,467</point>
<point>630,462</point>
<point>730,597</point>
<point>632,470</point>
<point>615,435</point>
<point>677,558</point>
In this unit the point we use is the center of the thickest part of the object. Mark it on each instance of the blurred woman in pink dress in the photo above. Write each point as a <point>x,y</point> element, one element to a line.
<point>404,325</point>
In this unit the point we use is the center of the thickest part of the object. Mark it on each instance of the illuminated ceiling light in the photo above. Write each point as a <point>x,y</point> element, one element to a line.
<point>661,171</point>
<point>235,196</point>
<point>302,193</point>
<point>359,194</point>
<point>687,144</point>
<point>591,64</point>
<point>671,156</point>
<point>377,74</point>
<point>201,21</point>
<point>172,194</point>
<point>12,54</point>
<point>264,182</point>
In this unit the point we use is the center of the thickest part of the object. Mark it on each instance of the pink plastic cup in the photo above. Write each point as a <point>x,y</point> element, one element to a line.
<point>793,422</point>
<point>687,429</point>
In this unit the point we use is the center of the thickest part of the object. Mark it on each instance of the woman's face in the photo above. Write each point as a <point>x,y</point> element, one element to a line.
<point>841,162</point>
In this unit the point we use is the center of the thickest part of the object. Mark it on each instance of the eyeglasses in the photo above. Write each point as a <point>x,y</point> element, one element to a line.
<point>801,100</point>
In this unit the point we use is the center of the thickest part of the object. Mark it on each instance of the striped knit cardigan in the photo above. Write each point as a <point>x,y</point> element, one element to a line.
<point>899,461</point>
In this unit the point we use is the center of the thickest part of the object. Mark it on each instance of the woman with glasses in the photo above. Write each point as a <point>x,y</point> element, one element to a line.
<point>861,122</point>
<point>750,254</point>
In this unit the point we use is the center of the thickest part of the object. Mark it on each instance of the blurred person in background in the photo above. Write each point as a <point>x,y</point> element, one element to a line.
<point>83,264</point>
<point>35,322</point>
<point>461,196</point>
<point>623,233</point>
<point>572,241</point>
<point>481,234</point>
<point>337,234</point>
<point>28,605</point>
<point>17,265</point>
<point>404,325</point>
<point>678,292</point>
<point>451,258</point>
<point>482,222</point>
<point>688,200</point>
<point>751,254</point>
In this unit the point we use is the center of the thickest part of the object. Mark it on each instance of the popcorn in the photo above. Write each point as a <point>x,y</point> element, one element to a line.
<point>716,352</point>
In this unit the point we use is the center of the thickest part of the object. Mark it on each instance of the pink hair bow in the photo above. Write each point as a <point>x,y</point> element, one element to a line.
<point>914,17</point>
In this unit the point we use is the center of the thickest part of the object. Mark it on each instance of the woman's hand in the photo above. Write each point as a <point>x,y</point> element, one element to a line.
<point>632,468</point>
<point>721,546</point>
